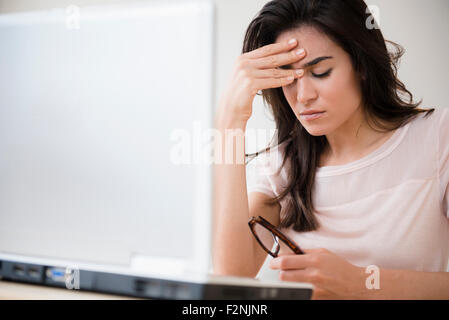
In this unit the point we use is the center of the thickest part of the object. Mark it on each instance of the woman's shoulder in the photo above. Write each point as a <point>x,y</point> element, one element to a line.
<point>428,130</point>
<point>434,116</point>
<point>270,161</point>
<point>429,121</point>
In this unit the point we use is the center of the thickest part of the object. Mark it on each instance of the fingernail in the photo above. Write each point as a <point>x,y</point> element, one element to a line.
<point>300,52</point>
<point>300,72</point>
<point>292,41</point>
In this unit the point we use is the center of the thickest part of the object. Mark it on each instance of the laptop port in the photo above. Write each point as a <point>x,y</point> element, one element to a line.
<point>56,274</point>
<point>34,273</point>
<point>18,270</point>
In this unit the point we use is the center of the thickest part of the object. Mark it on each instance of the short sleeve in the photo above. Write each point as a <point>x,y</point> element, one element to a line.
<point>265,172</point>
<point>257,179</point>
<point>443,159</point>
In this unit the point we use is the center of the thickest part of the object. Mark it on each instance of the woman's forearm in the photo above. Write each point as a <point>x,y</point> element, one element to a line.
<point>410,284</point>
<point>232,240</point>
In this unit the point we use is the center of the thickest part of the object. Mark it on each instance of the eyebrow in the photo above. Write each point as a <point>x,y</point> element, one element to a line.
<point>310,63</point>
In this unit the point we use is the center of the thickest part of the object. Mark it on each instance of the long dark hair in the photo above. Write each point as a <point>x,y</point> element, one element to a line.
<point>384,96</point>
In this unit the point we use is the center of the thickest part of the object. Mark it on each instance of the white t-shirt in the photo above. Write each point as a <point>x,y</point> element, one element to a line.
<point>389,208</point>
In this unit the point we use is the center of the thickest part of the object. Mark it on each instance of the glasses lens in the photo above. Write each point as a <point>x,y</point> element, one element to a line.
<point>284,248</point>
<point>269,240</point>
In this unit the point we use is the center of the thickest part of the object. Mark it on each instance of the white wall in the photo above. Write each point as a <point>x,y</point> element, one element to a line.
<point>421,28</point>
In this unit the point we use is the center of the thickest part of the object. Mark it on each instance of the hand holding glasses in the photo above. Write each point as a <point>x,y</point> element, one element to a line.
<point>270,238</point>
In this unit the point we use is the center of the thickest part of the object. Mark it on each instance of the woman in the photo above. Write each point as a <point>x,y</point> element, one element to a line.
<point>363,176</point>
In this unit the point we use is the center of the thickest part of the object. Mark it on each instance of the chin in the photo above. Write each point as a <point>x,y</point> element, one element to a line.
<point>316,131</point>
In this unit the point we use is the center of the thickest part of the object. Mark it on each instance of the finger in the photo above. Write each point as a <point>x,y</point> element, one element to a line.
<point>277,73</point>
<point>307,275</point>
<point>285,254</point>
<point>290,262</point>
<point>278,60</point>
<point>316,250</point>
<point>270,83</point>
<point>271,49</point>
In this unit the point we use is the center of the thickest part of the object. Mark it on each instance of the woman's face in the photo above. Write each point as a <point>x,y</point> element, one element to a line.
<point>330,85</point>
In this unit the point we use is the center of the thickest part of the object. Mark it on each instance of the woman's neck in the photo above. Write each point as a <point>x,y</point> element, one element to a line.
<point>352,141</point>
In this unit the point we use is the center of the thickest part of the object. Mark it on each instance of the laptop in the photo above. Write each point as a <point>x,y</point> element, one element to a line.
<point>105,152</point>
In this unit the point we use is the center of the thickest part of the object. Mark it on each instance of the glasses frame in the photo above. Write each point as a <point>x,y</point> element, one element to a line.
<point>274,231</point>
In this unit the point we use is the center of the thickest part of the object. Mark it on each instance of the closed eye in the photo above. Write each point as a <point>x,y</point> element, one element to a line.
<point>322,75</point>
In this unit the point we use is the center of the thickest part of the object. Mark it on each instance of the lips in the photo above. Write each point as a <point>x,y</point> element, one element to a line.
<point>308,112</point>
<point>309,115</point>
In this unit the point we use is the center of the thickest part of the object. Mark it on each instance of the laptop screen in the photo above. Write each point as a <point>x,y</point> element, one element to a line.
<point>102,115</point>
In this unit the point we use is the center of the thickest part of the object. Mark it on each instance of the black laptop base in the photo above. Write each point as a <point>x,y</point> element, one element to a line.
<point>143,287</point>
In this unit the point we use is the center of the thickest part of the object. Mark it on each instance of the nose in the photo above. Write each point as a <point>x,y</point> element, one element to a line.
<point>305,91</point>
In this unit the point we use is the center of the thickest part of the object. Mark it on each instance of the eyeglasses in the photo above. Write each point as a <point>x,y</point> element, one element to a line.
<point>268,237</point>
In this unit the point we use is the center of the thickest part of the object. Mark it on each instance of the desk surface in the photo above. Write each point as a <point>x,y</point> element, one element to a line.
<point>21,291</point>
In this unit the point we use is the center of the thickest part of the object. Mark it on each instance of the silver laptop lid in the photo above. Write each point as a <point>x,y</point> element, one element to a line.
<point>102,115</point>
